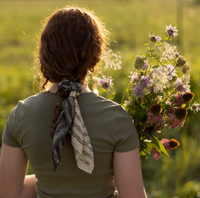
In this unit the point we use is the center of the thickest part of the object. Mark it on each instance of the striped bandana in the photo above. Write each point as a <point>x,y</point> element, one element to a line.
<point>71,120</point>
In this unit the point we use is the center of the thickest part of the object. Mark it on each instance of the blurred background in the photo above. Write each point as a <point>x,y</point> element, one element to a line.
<point>129,22</point>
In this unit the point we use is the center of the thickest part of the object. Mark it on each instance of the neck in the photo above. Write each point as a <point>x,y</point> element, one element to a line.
<point>54,88</point>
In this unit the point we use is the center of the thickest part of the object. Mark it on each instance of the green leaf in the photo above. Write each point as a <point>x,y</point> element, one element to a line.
<point>160,146</point>
<point>163,150</point>
<point>146,44</point>
<point>112,96</point>
<point>142,153</point>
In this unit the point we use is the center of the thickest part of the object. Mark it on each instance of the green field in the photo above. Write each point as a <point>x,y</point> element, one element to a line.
<point>129,22</point>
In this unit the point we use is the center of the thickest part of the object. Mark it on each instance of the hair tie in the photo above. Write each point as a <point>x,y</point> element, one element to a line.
<point>71,119</point>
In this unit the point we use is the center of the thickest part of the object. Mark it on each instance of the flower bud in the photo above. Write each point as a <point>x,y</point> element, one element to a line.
<point>180,61</point>
<point>139,62</point>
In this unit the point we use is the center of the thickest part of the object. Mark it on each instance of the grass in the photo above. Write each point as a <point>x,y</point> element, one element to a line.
<point>129,22</point>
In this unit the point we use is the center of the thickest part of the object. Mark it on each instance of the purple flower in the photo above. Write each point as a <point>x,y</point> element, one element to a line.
<point>168,144</point>
<point>168,102</point>
<point>171,31</point>
<point>174,122</point>
<point>155,119</point>
<point>137,90</point>
<point>195,107</point>
<point>105,83</point>
<point>145,81</point>
<point>146,65</point>
<point>151,89</point>
<point>179,99</point>
<point>176,54</point>
<point>154,38</point>
<point>179,85</point>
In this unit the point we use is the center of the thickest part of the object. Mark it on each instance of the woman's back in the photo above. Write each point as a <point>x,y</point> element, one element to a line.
<point>105,122</point>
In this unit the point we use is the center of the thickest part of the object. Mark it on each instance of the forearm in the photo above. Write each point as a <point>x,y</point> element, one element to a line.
<point>29,187</point>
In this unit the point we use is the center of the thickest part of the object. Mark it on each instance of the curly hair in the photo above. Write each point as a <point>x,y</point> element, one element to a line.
<point>71,44</point>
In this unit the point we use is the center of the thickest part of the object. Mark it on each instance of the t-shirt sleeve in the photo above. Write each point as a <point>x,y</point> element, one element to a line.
<point>126,137</point>
<point>8,133</point>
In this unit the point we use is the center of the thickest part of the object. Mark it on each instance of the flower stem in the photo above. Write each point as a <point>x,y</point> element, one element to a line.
<point>124,92</point>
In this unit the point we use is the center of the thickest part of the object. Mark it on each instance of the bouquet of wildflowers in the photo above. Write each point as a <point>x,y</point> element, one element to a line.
<point>160,93</point>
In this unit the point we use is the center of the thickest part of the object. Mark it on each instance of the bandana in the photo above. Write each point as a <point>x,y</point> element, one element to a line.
<point>70,120</point>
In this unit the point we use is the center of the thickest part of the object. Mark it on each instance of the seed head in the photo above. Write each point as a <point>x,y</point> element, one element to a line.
<point>186,69</point>
<point>139,62</point>
<point>173,144</point>
<point>181,113</point>
<point>180,61</point>
<point>187,97</point>
<point>156,109</point>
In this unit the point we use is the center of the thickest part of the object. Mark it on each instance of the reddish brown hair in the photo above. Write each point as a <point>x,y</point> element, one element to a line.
<point>72,42</point>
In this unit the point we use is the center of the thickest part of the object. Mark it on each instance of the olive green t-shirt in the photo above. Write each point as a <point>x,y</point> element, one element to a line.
<point>109,127</point>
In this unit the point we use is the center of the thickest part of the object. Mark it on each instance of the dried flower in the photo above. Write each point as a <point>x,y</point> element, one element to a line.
<point>187,97</point>
<point>186,69</point>
<point>156,109</point>
<point>171,31</point>
<point>180,61</point>
<point>139,62</point>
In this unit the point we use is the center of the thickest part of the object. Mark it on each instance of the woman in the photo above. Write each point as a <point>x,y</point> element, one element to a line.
<point>94,137</point>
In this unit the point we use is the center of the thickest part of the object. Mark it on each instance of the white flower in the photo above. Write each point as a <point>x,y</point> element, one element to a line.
<point>160,79</point>
<point>168,51</point>
<point>186,80</point>
<point>111,60</point>
<point>134,77</point>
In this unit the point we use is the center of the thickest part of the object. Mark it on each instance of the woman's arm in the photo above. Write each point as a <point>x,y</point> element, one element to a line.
<point>128,174</point>
<point>13,180</point>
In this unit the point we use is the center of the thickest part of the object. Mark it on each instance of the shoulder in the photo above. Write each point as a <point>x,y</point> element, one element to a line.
<point>97,101</point>
<point>42,98</point>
